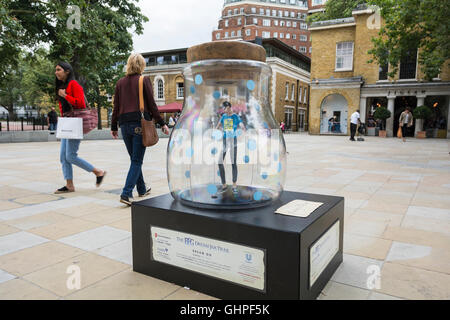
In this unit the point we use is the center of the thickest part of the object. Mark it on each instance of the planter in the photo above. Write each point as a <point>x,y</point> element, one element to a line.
<point>382,133</point>
<point>421,134</point>
<point>371,131</point>
<point>442,134</point>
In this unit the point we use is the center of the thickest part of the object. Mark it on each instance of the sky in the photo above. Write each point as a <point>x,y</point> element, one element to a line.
<point>175,24</point>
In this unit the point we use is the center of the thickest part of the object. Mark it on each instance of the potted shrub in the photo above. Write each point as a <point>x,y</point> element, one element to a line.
<point>421,113</point>
<point>382,113</point>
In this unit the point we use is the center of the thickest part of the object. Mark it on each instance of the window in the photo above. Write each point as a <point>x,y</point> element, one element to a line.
<point>281,35</point>
<point>217,35</point>
<point>226,23</point>
<point>294,24</point>
<point>253,10</point>
<point>275,34</point>
<point>274,13</point>
<point>294,36</point>
<point>261,11</point>
<point>242,10</point>
<point>408,65</point>
<point>275,22</point>
<point>383,71</point>
<point>268,12</point>
<point>236,11</point>
<point>292,14</point>
<point>305,95</point>
<point>288,114</point>
<point>303,38</point>
<point>302,49</point>
<point>288,24</point>
<point>293,93</point>
<point>280,13</point>
<point>303,26</point>
<point>287,91</point>
<point>288,35</point>
<point>292,1</point>
<point>226,34</point>
<point>300,94</point>
<point>180,90</point>
<point>266,22</point>
<point>255,21</point>
<point>160,89</point>
<point>248,32</point>
<point>229,12</point>
<point>310,49</point>
<point>233,33</point>
<point>344,56</point>
<point>266,34</point>
<point>239,21</point>
<point>286,13</point>
<point>239,33</point>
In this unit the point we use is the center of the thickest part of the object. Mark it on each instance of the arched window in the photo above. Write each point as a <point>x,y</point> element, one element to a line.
<point>160,89</point>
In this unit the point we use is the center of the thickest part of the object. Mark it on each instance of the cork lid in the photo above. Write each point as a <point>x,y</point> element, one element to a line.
<point>240,50</point>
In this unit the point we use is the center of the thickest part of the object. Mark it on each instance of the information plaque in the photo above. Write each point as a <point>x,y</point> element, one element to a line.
<point>224,260</point>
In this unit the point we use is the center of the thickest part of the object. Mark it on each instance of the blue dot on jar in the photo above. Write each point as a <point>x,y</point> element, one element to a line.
<point>216,94</point>
<point>213,150</point>
<point>257,195</point>
<point>246,159</point>
<point>189,152</point>
<point>251,85</point>
<point>252,145</point>
<point>266,126</point>
<point>192,89</point>
<point>198,79</point>
<point>218,173</point>
<point>187,174</point>
<point>279,167</point>
<point>264,175</point>
<point>212,189</point>
<point>258,107</point>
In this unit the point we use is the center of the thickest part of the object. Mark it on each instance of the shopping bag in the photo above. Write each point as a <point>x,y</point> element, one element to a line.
<point>399,133</point>
<point>69,128</point>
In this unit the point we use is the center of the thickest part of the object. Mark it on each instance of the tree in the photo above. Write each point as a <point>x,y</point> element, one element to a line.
<point>382,113</point>
<point>336,9</point>
<point>94,36</point>
<point>412,24</point>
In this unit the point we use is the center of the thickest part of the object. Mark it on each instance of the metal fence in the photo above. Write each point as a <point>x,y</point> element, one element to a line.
<point>23,124</point>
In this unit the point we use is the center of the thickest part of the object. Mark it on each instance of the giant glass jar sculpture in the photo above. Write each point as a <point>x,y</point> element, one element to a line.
<point>226,150</point>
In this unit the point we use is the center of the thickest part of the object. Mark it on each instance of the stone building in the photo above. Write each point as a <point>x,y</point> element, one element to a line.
<point>343,81</point>
<point>289,87</point>
<point>281,19</point>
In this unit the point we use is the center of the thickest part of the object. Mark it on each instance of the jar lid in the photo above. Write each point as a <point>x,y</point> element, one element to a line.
<point>240,50</point>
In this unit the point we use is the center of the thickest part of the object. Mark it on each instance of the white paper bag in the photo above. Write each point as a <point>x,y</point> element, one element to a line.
<point>69,128</point>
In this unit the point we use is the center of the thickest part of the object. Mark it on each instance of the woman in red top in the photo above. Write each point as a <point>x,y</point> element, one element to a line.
<point>71,95</point>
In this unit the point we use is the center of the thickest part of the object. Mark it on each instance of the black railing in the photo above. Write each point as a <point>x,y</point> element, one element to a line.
<point>23,124</point>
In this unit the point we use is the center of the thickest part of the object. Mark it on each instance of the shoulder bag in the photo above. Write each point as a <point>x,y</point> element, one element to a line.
<point>149,134</point>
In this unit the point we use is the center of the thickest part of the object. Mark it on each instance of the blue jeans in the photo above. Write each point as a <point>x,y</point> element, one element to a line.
<point>132,136</point>
<point>52,127</point>
<point>69,156</point>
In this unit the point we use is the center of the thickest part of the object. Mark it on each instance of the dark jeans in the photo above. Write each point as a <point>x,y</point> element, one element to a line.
<point>233,148</point>
<point>353,130</point>
<point>132,136</point>
<point>405,130</point>
<point>52,126</point>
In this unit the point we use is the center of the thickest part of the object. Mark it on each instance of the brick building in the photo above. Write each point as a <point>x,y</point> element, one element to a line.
<point>342,80</point>
<point>289,87</point>
<point>284,20</point>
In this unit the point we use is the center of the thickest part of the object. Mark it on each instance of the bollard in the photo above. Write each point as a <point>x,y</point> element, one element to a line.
<point>7,123</point>
<point>21,123</point>
<point>34,124</point>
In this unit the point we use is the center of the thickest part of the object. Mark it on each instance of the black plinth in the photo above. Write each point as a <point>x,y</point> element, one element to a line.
<point>287,243</point>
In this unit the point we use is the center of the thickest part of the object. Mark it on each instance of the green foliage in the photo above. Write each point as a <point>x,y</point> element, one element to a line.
<point>336,9</point>
<point>422,112</point>
<point>412,24</point>
<point>382,113</point>
<point>97,50</point>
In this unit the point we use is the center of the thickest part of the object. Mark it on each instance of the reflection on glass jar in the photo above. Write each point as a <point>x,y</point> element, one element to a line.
<point>226,150</point>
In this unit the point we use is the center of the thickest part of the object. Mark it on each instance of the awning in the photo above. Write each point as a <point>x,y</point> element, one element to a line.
<point>171,108</point>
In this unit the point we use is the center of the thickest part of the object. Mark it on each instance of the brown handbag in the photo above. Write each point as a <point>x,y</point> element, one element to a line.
<point>149,134</point>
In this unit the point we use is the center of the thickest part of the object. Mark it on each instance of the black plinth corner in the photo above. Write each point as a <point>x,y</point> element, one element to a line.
<point>243,254</point>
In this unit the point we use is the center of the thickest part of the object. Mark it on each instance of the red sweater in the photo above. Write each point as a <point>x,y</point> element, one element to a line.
<point>75,96</point>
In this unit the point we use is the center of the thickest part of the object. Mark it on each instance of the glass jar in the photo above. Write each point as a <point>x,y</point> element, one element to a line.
<point>226,150</point>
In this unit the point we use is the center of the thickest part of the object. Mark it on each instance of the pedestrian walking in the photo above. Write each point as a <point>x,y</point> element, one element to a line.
<point>354,121</point>
<point>52,120</point>
<point>127,115</point>
<point>405,122</point>
<point>70,95</point>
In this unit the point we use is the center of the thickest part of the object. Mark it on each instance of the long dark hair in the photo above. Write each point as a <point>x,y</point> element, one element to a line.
<point>59,84</point>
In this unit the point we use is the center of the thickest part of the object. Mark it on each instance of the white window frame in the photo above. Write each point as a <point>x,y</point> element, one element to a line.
<point>347,63</point>
<point>287,91</point>
<point>266,22</point>
<point>293,92</point>
<point>217,35</point>
<point>180,91</point>
<point>248,32</point>
<point>159,90</point>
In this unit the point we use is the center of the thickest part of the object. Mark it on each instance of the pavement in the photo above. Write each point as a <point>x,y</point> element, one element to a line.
<point>397,219</point>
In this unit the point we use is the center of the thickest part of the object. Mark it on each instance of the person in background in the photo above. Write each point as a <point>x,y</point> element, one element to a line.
<point>354,121</point>
<point>71,96</point>
<point>52,120</point>
<point>171,122</point>
<point>126,113</point>
<point>405,122</point>
<point>282,126</point>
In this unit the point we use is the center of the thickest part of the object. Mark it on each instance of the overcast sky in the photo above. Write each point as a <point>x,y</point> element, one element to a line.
<point>175,24</point>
